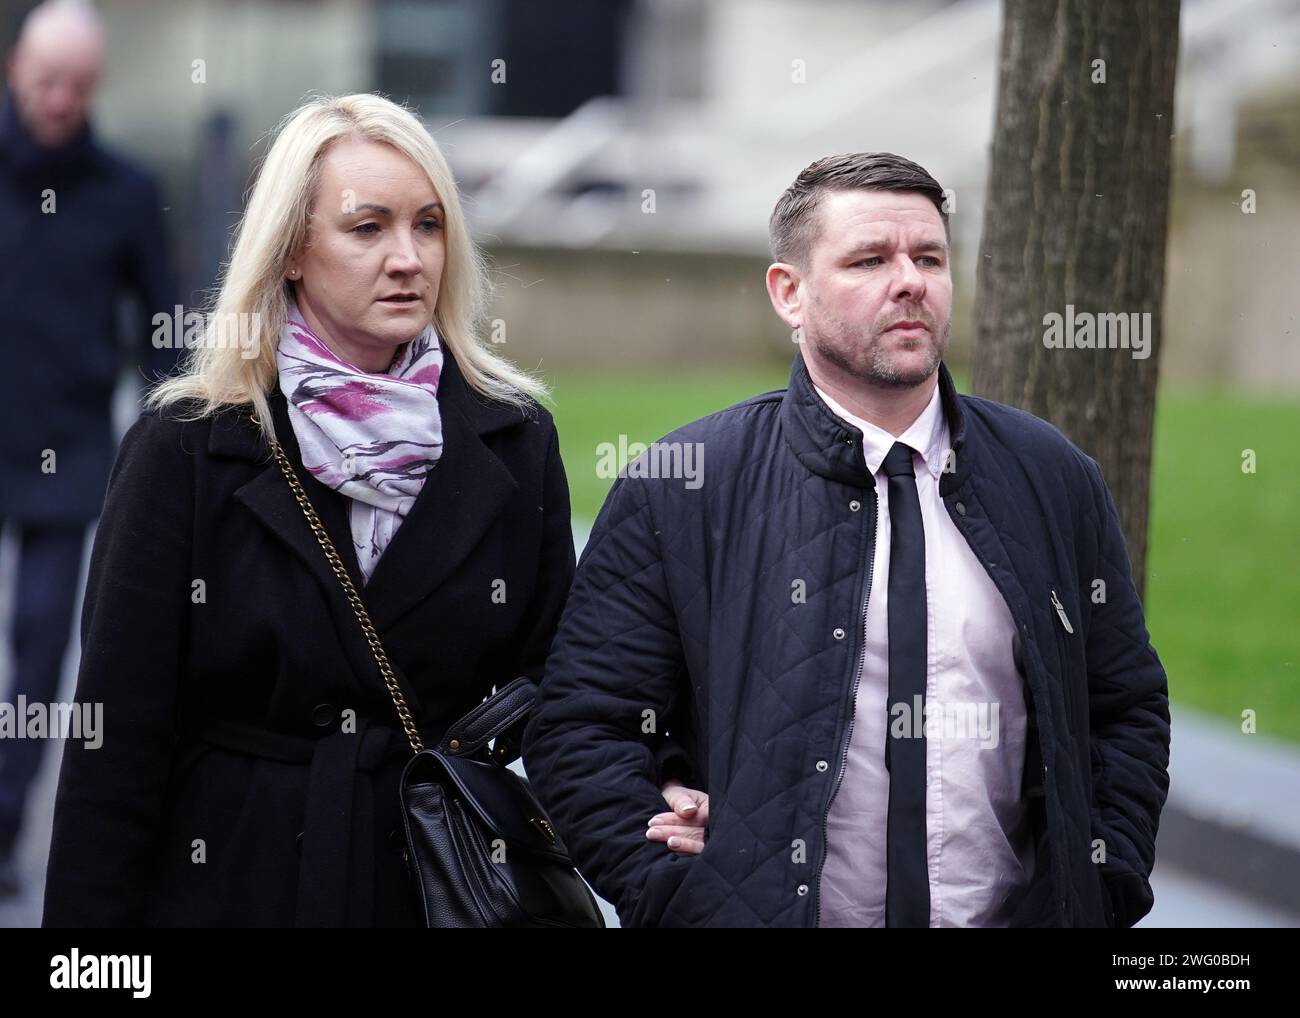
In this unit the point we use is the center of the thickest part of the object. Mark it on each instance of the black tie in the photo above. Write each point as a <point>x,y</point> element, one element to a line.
<point>907,895</point>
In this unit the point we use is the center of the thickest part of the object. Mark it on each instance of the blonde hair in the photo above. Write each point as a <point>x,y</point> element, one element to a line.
<point>218,373</point>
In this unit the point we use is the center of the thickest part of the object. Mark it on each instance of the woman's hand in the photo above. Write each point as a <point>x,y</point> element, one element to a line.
<point>683,827</point>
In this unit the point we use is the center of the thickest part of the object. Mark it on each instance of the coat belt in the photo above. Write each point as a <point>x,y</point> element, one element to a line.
<point>336,875</point>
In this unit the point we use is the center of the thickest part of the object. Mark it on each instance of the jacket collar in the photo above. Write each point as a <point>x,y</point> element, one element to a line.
<point>927,435</point>
<point>462,496</point>
<point>829,447</point>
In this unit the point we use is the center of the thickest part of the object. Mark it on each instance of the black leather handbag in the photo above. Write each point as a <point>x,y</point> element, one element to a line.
<point>480,850</point>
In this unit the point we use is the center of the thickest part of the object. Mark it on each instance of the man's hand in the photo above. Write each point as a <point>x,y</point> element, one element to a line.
<point>683,827</point>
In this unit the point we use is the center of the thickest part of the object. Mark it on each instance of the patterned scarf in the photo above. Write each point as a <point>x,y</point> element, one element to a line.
<point>373,437</point>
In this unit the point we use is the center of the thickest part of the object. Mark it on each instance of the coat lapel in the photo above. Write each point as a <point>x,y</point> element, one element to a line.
<point>271,499</point>
<point>462,496</point>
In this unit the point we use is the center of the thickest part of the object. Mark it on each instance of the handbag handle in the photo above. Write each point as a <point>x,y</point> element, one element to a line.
<point>354,599</point>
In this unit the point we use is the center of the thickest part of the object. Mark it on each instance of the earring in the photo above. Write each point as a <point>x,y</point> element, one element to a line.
<point>293,273</point>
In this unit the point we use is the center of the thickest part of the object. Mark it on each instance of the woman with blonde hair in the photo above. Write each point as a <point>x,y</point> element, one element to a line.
<point>250,756</point>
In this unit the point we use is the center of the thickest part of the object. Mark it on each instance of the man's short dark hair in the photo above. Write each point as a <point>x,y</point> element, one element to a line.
<point>793,225</point>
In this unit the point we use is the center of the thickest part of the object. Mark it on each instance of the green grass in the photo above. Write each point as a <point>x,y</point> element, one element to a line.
<point>1223,573</point>
<point>591,409</point>
<point>1223,570</point>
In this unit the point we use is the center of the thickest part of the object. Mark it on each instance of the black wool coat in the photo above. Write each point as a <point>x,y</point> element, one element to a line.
<point>232,787</point>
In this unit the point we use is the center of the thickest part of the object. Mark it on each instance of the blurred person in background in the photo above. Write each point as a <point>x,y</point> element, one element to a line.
<point>80,228</point>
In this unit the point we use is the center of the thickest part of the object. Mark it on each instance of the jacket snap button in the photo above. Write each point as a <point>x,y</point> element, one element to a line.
<point>822,765</point>
<point>298,843</point>
<point>323,715</point>
<point>960,507</point>
<point>839,633</point>
<point>855,505</point>
<point>801,890</point>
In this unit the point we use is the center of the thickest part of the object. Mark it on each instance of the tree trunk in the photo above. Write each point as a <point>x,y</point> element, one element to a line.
<point>1075,217</point>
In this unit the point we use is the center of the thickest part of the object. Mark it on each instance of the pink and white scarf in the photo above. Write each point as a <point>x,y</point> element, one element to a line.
<point>373,437</point>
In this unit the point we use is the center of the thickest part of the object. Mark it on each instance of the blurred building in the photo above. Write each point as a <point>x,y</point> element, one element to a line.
<point>619,152</point>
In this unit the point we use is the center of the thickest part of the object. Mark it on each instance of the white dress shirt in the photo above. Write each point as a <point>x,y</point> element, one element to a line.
<point>979,849</point>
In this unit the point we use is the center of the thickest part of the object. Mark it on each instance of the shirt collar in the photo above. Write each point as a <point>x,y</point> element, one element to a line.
<point>927,435</point>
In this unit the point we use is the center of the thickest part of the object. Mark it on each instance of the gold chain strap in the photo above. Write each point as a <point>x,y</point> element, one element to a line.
<point>354,599</point>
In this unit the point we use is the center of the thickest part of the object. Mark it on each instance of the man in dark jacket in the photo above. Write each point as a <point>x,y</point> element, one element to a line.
<point>79,228</point>
<point>889,629</point>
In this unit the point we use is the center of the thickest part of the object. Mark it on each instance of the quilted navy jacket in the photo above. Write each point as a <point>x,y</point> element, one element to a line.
<point>681,652</point>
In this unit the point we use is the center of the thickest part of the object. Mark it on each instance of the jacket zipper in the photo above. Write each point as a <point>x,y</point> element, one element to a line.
<point>1060,610</point>
<point>868,555</point>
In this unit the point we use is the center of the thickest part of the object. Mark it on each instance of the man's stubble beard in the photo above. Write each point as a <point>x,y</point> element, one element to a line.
<point>873,363</point>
